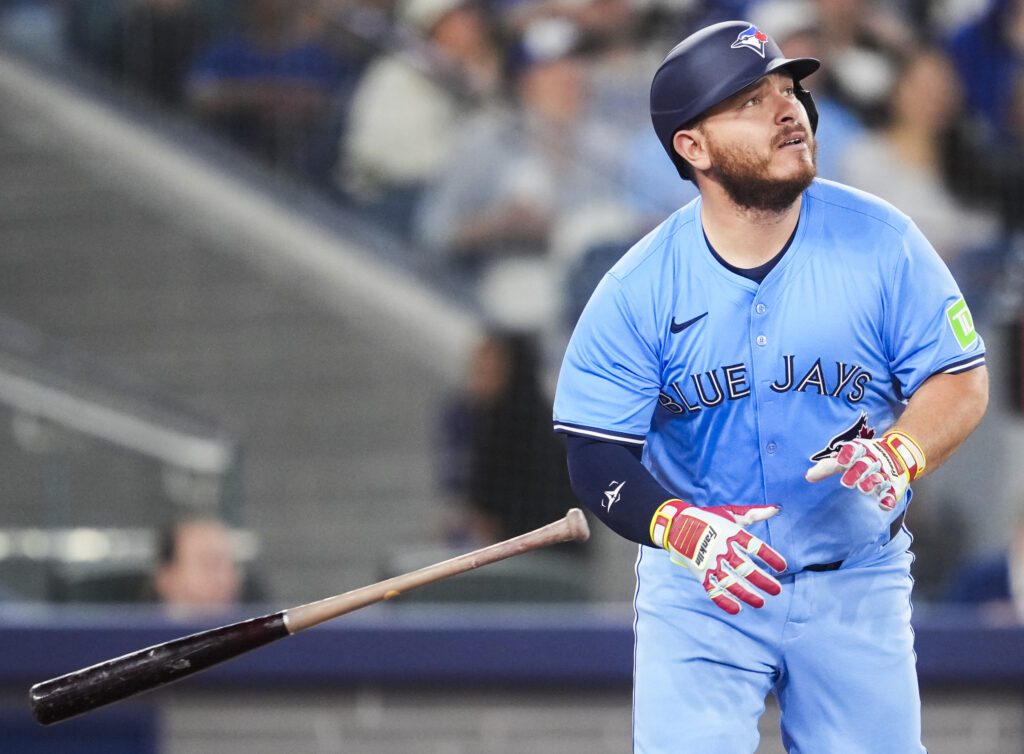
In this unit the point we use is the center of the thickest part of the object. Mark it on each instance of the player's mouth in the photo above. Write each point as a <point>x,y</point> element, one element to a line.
<point>792,141</point>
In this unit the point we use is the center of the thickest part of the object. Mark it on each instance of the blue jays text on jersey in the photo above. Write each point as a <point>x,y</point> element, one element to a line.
<point>709,389</point>
<point>733,387</point>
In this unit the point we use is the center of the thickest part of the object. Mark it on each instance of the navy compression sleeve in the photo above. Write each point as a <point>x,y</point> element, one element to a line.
<point>610,480</point>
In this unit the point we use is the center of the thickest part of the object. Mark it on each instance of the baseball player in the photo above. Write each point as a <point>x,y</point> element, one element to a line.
<point>748,394</point>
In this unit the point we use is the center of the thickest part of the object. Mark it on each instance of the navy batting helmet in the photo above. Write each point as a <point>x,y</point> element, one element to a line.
<point>710,66</point>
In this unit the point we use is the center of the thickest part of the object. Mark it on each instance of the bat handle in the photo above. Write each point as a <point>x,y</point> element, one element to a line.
<point>571,528</point>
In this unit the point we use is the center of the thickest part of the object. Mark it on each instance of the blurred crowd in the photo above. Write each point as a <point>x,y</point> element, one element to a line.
<point>511,140</point>
<point>497,135</point>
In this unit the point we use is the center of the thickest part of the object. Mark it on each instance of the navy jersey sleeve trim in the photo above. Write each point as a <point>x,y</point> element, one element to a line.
<point>964,365</point>
<point>597,433</point>
<point>957,367</point>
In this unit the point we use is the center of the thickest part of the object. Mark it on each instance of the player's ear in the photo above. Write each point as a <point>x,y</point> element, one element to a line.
<point>691,145</point>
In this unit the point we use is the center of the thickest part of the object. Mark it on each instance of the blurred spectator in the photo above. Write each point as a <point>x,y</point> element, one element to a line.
<point>993,583</point>
<point>502,465</point>
<point>988,167</point>
<point>197,568</point>
<point>268,87</point>
<point>405,109</point>
<point>514,173</point>
<point>156,42</point>
<point>622,59</point>
<point>903,162</point>
<point>862,40</point>
<point>989,52</point>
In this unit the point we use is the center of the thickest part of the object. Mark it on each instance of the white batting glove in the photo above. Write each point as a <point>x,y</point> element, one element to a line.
<point>713,545</point>
<point>882,468</point>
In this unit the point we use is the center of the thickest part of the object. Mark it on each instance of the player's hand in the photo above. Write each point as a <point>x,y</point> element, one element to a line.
<point>882,468</point>
<point>713,545</point>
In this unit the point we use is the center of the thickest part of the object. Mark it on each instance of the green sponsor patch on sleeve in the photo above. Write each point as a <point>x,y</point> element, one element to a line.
<point>962,324</point>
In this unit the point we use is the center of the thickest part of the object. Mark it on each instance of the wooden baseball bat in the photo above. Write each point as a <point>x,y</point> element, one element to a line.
<point>110,681</point>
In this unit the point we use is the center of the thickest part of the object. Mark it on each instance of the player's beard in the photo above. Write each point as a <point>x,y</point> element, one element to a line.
<point>744,175</point>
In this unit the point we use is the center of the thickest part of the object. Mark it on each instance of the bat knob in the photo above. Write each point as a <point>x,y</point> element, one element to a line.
<point>578,529</point>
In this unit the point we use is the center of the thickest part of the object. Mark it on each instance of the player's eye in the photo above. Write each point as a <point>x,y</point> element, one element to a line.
<point>755,100</point>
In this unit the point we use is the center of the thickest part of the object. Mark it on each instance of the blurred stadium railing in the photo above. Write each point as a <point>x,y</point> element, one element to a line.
<point>95,462</point>
<point>245,299</point>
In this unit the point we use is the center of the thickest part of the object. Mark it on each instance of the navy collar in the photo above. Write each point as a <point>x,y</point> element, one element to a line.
<point>759,273</point>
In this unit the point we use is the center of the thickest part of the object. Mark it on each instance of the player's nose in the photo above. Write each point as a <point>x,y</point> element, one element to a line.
<point>787,111</point>
<point>787,108</point>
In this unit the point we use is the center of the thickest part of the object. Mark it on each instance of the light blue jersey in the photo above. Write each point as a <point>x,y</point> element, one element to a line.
<point>735,388</point>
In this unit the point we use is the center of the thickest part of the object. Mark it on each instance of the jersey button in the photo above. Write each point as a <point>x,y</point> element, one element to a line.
<point>762,340</point>
<point>771,448</point>
<point>760,308</point>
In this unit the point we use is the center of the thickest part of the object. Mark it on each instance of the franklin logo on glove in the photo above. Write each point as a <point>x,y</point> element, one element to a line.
<point>721,562</point>
<point>702,551</point>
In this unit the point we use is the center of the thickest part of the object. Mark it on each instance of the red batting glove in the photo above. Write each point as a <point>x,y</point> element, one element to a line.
<point>713,545</point>
<point>882,468</point>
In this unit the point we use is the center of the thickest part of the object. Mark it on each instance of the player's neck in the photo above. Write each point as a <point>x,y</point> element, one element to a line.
<point>746,237</point>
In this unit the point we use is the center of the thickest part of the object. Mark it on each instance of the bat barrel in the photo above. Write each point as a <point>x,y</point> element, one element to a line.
<point>83,690</point>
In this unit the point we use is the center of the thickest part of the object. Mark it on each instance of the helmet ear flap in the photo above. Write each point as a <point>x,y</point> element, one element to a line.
<point>808,102</point>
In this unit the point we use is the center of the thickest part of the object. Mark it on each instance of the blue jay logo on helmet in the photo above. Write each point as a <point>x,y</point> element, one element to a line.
<point>752,38</point>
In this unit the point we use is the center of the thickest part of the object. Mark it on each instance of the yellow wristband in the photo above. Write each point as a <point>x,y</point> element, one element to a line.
<point>908,450</point>
<point>662,519</point>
